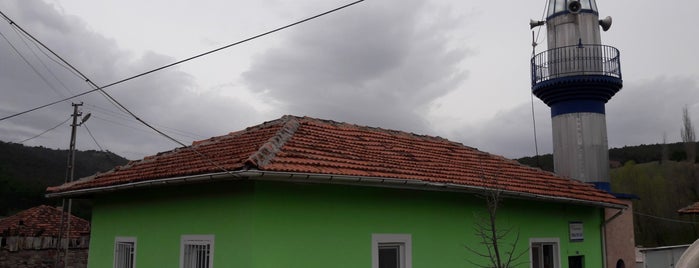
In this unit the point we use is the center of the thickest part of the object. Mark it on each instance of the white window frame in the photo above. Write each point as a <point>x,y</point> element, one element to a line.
<point>125,239</point>
<point>556,249</point>
<point>197,240</point>
<point>404,243</point>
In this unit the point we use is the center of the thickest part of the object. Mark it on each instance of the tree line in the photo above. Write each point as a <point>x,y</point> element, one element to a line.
<point>25,172</point>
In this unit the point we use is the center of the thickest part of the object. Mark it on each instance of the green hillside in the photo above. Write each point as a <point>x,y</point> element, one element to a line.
<point>663,188</point>
<point>25,172</point>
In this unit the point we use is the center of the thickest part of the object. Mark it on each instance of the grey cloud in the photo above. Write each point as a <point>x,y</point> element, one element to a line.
<point>379,63</point>
<point>167,99</point>
<point>644,110</point>
<point>510,132</point>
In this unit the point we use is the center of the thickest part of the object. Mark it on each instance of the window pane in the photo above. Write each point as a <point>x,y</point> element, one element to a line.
<point>585,4</point>
<point>551,9</point>
<point>124,255</point>
<point>197,255</point>
<point>545,254</point>
<point>536,263</point>
<point>548,256</point>
<point>389,257</point>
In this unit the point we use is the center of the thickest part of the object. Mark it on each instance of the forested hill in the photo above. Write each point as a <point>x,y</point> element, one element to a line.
<point>663,187</point>
<point>618,156</point>
<point>25,172</point>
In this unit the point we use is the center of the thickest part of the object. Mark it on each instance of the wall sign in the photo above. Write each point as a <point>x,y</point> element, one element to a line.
<point>576,231</point>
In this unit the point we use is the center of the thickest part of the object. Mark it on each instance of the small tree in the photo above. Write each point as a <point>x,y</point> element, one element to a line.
<point>688,138</point>
<point>498,253</point>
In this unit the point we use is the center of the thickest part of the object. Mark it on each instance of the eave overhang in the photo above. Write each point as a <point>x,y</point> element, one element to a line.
<point>260,175</point>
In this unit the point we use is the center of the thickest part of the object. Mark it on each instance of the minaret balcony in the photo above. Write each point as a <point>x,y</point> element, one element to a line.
<point>581,71</point>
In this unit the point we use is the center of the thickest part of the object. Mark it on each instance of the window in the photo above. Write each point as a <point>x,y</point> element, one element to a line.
<point>391,251</point>
<point>125,252</point>
<point>197,251</point>
<point>544,252</point>
<point>576,261</point>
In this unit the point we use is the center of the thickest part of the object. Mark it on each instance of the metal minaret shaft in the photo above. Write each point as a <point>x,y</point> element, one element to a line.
<point>576,77</point>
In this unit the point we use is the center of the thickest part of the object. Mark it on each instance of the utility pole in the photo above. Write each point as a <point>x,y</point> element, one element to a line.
<point>70,173</point>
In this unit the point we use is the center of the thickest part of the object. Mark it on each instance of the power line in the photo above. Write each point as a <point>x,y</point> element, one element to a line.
<point>162,67</point>
<point>98,145</point>
<point>664,219</point>
<point>120,116</point>
<point>536,41</point>
<point>30,65</point>
<point>124,124</point>
<point>42,133</point>
<point>46,54</point>
<point>121,124</point>
<point>536,142</point>
<point>108,112</point>
<point>93,137</point>
<point>87,80</point>
<point>22,38</point>
<point>109,97</point>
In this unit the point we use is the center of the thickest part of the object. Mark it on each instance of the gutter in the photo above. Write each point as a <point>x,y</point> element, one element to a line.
<point>150,183</point>
<point>328,179</point>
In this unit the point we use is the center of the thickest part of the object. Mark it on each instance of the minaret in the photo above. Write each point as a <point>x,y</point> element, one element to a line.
<point>576,77</point>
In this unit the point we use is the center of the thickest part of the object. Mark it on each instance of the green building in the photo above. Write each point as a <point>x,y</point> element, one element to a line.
<point>305,192</point>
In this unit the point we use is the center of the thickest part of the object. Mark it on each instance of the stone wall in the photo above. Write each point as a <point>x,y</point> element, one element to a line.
<point>40,252</point>
<point>43,258</point>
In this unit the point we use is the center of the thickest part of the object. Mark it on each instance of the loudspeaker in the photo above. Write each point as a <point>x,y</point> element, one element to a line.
<point>574,6</point>
<point>535,23</point>
<point>605,23</point>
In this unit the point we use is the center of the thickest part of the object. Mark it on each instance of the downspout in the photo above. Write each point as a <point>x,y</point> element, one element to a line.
<point>603,229</point>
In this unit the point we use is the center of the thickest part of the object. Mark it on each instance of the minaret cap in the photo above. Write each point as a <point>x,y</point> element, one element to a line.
<point>562,7</point>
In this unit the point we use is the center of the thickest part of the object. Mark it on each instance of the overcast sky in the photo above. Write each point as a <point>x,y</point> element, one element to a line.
<point>451,68</point>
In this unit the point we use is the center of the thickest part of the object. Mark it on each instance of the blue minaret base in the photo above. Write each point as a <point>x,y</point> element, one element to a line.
<point>604,186</point>
<point>577,94</point>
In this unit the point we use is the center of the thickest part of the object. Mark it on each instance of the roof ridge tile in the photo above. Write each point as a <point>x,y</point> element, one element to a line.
<point>266,153</point>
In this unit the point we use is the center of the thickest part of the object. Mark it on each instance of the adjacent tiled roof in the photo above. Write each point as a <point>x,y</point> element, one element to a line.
<point>691,209</point>
<point>41,221</point>
<point>314,146</point>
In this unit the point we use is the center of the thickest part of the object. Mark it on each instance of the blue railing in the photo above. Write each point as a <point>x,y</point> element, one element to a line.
<point>575,60</point>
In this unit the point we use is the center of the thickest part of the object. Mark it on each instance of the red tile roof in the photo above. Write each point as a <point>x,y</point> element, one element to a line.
<point>691,209</point>
<point>41,221</point>
<point>313,146</point>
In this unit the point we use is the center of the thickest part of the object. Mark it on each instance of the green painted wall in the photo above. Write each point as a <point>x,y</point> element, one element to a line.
<point>157,218</point>
<point>272,224</point>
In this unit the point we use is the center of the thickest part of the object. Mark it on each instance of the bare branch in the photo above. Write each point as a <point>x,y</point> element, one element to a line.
<point>487,231</point>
